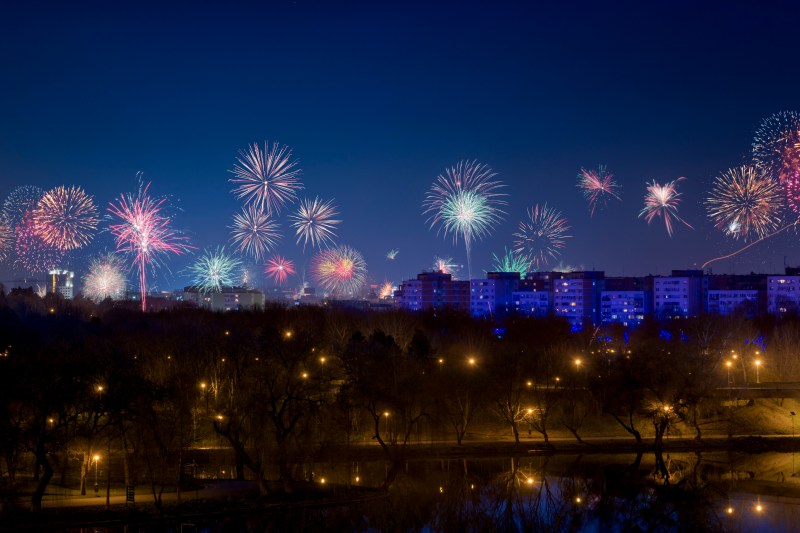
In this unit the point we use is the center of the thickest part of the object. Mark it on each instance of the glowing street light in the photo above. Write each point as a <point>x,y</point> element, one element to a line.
<point>471,361</point>
<point>758,365</point>
<point>96,460</point>
<point>578,363</point>
<point>728,365</point>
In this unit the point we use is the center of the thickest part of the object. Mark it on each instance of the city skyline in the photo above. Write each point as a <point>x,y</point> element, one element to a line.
<point>372,127</point>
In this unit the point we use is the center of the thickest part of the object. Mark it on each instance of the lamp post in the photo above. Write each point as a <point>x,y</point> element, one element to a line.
<point>96,459</point>
<point>728,365</point>
<point>758,365</point>
<point>386,417</point>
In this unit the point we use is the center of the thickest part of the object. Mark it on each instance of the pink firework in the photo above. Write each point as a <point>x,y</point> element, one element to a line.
<point>144,233</point>
<point>597,186</point>
<point>279,268</point>
<point>32,253</point>
<point>662,201</point>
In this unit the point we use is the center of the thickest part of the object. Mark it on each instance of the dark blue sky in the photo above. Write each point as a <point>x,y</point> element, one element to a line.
<point>377,98</point>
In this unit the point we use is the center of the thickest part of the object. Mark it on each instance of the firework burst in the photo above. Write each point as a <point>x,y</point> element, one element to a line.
<point>386,290</point>
<point>445,265</point>
<point>105,278</point>
<point>20,203</point>
<point>32,254</point>
<point>314,223</point>
<point>66,218</point>
<point>339,270</point>
<point>598,186</point>
<point>143,232</point>
<point>744,203</point>
<point>541,236</point>
<point>511,261</point>
<point>268,178</point>
<point>214,270</point>
<point>776,146</point>
<point>392,254</point>
<point>662,201</point>
<point>464,201</point>
<point>279,268</point>
<point>254,232</point>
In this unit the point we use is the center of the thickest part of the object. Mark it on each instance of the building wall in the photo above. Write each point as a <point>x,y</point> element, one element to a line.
<point>728,302</point>
<point>783,295</point>
<point>628,308</point>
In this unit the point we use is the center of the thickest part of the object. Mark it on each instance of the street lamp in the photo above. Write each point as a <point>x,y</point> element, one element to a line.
<point>728,364</point>
<point>386,416</point>
<point>758,364</point>
<point>96,459</point>
<point>471,361</point>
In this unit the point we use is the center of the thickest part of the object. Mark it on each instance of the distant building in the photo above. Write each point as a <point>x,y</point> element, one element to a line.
<point>680,295</point>
<point>433,290</point>
<point>783,295</point>
<point>576,296</point>
<point>60,282</point>
<point>227,299</point>
<point>628,308</point>
<point>532,303</point>
<point>732,301</point>
<point>493,295</point>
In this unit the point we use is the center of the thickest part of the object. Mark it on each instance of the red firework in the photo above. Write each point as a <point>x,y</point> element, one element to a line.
<point>279,268</point>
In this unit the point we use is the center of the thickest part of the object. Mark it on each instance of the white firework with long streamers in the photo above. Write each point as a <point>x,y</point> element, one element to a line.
<point>314,223</point>
<point>542,235</point>
<point>445,265</point>
<point>254,232</point>
<point>214,270</point>
<point>745,203</point>
<point>105,279</point>
<point>66,218</point>
<point>465,202</point>
<point>268,178</point>
<point>392,254</point>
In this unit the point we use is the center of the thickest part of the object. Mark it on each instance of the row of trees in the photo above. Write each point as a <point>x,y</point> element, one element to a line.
<point>279,385</point>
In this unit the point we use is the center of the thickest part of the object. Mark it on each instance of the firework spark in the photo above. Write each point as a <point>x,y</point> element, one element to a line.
<point>744,203</point>
<point>542,235</point>
<point>214,270</point>
<point>662,201</point>
<point>445,265</point>
<point>32,254</point>
<point>776,146</point>
<point>66,218</point>
<point>463,201</point>
<point>598,186</point>
<point>279,268</point>
<point>392,254</point>
<point>254,232</point>
<point>105,278</point>
<point>386,290</point>
<point>511,261</point>
<point>20,203</point>
<point>314,223</point>
<point>268,178</point>
<point>339,270</point>
<point>144,233</point>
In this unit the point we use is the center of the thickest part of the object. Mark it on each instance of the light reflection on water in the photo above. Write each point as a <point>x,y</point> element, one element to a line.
<point>709,491</point>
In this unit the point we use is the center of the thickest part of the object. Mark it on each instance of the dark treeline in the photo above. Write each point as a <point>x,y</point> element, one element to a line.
<point>278,386</point>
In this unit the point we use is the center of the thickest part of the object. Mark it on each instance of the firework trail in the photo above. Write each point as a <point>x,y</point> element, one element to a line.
<point>6,241</point>
<point>597,186</point>
<point>776,146</point>
<point>463,201</point>
<point>662,201</point>
<point>20,203</point>
<point>445,265</point>
<point>32,254</point>
<point>392,254</point>
<point>744,203</point>
<point>105,278</point>
<point>254,232</point>
<point>66,218</point>
<point>279,268</point>
<point>144,233</point>
<point>339,270</point>
<point>314,223</point>
<point>542,235</point>
<point>743,248</point>
<point>214,270</point>
<point>511,261</point>
<point>386,290</point>
<point>268,178</point>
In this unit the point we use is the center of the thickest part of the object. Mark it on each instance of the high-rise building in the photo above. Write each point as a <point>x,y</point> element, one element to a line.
<point>681,295</point>
<point>433,290</point>
<point>576,296</point>
<point>783,295</point>
<point>227,299</point>
<point>60,282</point>
<point>493,295</point>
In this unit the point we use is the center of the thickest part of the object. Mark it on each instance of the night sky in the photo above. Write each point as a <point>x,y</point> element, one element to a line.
<point>376,99</point>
